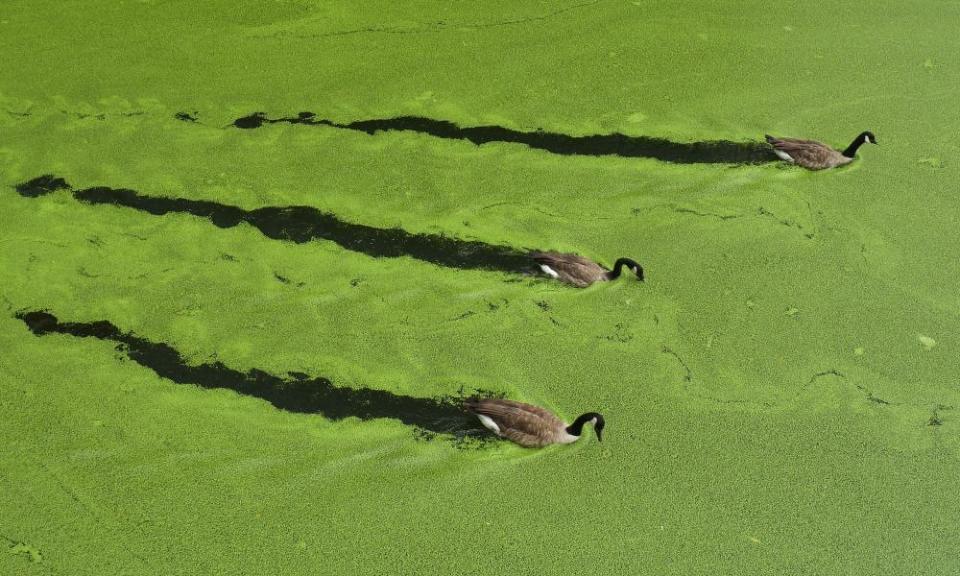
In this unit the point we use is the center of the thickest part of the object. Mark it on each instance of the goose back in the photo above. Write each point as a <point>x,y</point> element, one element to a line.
<point>525,424</point>
<point>810,154</point>
<point>571,268</point>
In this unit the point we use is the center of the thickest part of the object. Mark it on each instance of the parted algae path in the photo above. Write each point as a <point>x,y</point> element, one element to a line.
<point>254,254</point>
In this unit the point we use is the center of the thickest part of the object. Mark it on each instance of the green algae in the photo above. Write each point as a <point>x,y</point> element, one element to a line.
<point>742,436</point>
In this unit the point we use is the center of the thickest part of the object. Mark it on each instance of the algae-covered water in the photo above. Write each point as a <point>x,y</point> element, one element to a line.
<point>252,252</point>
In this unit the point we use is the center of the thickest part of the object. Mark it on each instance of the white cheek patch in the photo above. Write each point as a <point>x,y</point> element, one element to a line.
<point>549,271</point>
<point>866,139</point>
<point>489,423</point>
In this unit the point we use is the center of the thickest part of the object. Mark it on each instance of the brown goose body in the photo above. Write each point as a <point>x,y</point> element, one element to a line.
<point>528,425</point>
<point>815,155</point>
<point>579,271</point>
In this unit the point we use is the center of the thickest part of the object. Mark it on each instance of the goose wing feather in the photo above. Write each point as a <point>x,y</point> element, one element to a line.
<point>571,268</point>
<point>522,423</point>
<point>808,153</point>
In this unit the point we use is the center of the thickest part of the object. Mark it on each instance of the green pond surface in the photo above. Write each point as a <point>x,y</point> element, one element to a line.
<point>782,394</point>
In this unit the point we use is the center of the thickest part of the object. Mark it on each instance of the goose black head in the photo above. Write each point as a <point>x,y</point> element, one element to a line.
<point>631,265</point>
<point>862,138</point>
<point>594,418</point>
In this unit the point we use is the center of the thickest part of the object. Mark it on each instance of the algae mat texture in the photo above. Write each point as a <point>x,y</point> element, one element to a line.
<point>782,394</point>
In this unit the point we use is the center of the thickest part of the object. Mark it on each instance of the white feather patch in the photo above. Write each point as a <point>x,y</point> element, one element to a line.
<point>549,271</point>
<point>783,155</point>
<point>489,423</point>
<point>568,438</point>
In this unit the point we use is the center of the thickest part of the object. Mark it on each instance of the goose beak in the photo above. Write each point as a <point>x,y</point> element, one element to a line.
<point>599,435</point>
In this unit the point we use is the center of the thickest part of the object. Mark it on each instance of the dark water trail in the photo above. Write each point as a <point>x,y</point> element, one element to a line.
<point>302,224</point>
<point>299,393</point>
<point>616,144</point>
<point>186,117</point>
<point>41,186</point>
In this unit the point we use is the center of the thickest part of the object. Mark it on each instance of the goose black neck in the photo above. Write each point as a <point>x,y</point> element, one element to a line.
<point>851,150</point>
<point>576,428</point>
<point>618,267</point>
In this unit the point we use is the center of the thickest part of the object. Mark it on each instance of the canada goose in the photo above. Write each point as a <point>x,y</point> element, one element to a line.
<point>530,426</point>
<point>580,271</point>
<point>815,155</point>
